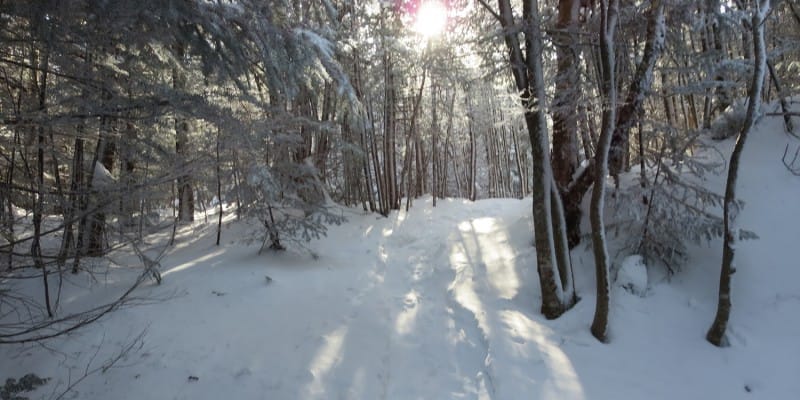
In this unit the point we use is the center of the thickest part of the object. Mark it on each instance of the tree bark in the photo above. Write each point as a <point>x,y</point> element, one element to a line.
<point>75,189</point>
<point>716,334</point>
<point>529,78</point>
<point>219,186</point>
<point>608,24</point>
<point>787,118</point>
<point>565,102</point>
<point>185,189</point>
<point>106,149</point>
<point>639,88</point>
<point>472,154</point>
<point>38,209</point>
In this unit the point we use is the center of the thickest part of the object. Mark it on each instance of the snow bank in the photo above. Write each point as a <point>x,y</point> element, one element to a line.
<point>632,275</point>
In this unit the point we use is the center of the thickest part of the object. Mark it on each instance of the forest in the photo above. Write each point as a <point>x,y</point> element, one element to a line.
<point>399,199</point>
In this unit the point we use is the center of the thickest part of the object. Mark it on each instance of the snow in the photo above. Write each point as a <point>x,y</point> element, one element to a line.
<point>102,177</point>
<point>439,303</point>
<point>632,275</point>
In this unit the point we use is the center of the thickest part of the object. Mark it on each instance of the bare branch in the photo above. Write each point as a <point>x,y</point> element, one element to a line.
<point>793,166</point>
<point>488,8</point>
<point>134,345</point>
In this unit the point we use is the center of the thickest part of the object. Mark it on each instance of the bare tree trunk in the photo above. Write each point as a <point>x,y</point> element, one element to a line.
<point>219,186</point>
<point>716,334</point>
<point>434,147</point>
<point>237,183</point>
<point>38,209</point>
<point>565,102</point>
<point>456,171</point>
<point>669,110</point>
<point>106,149</point>
<point>634,101</point>
<point>389,136</point>
<point>9,222</point>
<point>608,24</point>
<point>442,175</point>
<point>787,117</point>
<point>185,189</point>
<point>383,191</point>
<point>127,198</point>
<point>367,174</point>
<point>523,180</point>
<point>83,206</point>
<point>563,260</point>
<point>76,183</point>
<point>528,75</point>
<point>472,155</point>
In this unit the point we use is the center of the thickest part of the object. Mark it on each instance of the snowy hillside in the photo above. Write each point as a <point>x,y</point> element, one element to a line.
<point>441,303</point>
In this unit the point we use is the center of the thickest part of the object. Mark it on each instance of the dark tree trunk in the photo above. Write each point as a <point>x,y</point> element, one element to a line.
<point>219,186</point>
<point>185,190</point>
<point>76,184</point>
<point>529,78</point>
<point>106,149</point>
<point>716,334</point>
<point>565,102</point>
<point>787,118</point>
<point>38,209</point>
<point>632,108</point>
<point>608,23</point>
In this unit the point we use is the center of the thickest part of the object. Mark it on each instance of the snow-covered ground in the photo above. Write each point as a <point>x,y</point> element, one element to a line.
<point>442,303</point>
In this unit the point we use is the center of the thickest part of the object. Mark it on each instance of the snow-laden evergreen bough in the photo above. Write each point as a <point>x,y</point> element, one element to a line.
<point>288,203</point>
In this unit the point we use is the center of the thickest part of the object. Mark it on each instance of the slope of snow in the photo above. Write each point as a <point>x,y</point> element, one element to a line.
<point>441,303</point>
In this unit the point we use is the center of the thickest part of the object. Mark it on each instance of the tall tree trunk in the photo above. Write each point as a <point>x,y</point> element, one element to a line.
<point>389,135</point>
<point>638,90</point>
<point>716,334</point>
<point>101,199</point>
<point>367,174</point>
<point>76,184</point>
<point>472,156</point>
<point>566,96</point>
<point>128,200</point>
<point>787,117</point>
<point>419,181</point>
<point>219,185</point>
<point>185,187</point>
<point>528,76</point>
<point>608,24</point>
<point>9,204</point>
<point>523,180</point>
<point>434,155</point>
<point>380,176</point>
<point>38,209</point>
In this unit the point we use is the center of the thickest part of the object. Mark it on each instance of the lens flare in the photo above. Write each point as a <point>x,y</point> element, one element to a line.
<point>431,19</point>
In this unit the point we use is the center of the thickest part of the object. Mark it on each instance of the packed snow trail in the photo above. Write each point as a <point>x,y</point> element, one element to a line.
<point>403,307</point>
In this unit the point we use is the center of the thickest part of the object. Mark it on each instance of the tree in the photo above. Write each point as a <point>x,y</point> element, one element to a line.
<point>632,108</point>
<point>526,68</point>
<point>716,334</point>
<point>565,115</point>
<point>182,132</point>
<point>608,24</point>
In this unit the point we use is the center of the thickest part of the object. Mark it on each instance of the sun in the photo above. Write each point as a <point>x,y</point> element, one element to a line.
<point>431,19</point>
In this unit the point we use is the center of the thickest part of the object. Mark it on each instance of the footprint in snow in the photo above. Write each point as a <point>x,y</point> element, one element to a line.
<point>242,373</point>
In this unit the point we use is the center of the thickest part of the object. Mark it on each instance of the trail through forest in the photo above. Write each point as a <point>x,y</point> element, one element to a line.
<point>435,303</point>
